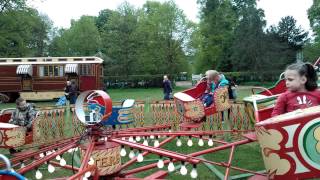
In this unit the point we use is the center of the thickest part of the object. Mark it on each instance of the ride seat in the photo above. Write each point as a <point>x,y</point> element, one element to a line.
<point>128,103</point>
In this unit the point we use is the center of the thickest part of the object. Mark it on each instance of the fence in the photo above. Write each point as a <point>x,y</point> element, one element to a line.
<point>54,124</point>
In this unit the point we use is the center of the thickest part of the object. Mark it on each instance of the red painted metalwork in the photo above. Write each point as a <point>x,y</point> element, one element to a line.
<point>229,163</point>
<point>146,152</point>
<point>158,151</point>
<point>46,158</point>
<point>83,171</point>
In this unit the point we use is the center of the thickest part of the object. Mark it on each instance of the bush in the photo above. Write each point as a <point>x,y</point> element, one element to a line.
<point>244,77</point>
<point>135,81</point>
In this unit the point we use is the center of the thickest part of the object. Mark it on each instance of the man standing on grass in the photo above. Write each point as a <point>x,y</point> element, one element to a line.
<point>167,88</point>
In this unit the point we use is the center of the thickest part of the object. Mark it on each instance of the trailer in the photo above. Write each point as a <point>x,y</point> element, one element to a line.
<point>44,78</point>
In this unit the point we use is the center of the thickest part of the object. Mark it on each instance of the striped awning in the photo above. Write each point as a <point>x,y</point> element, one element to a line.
<point>25,69</point>
<point>71,68</point>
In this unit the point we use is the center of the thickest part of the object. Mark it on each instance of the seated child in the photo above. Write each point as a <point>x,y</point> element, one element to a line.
<point>301,81</point>
<point>214,81</point>
<point>24,114</point>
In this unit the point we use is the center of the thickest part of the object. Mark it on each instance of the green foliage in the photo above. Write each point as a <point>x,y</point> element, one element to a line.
<point>232,37</point>
<point>120,41</point>
<point>255,76</point>
<point>248,45</point>
<point>218,21</point>
<point>23,33</point>
<point>311,51</point>
<point>82,39</point>
<point>314,17</point>
<point>10,5</point>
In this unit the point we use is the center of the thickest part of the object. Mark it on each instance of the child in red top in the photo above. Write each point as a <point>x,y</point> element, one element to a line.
<point>301,81</point>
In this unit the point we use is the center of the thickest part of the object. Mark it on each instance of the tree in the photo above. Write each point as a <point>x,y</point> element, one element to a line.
<point>119,41</point>
<point>82,39</point>
<point>314,17</point>
<point>103,18</point>
<point>9,5</point>
<point>289,39</point>
<point>290,33</point>
<point>312,49</point>
<point>248,45</point>
<point>164,31</point>
<point>218,21</point>
<point>23,33</point>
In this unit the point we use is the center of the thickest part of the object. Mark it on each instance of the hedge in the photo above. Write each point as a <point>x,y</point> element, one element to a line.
<point>134,81</point>
<point>241,77</point>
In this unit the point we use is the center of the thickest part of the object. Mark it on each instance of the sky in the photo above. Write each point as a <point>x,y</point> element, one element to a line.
<point>62,11</point>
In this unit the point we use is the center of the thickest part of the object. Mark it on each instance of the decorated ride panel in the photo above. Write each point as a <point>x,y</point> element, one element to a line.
<point>192,108</point>
<point>189,107</point>
<point>106,157</point>
<point>290,144</point>
<point>221,99</point>
<point>93,107</point>
<point>11,135</point>
<point>123,114</point>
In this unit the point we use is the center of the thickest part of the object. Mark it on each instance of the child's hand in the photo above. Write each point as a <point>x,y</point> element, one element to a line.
<point>203,79</point>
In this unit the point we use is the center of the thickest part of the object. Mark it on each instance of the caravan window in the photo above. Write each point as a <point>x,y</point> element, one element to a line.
<point>51,71</point>
<point>86,69</point>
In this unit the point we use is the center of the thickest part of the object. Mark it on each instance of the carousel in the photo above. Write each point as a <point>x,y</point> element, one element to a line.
<point>101,139</point>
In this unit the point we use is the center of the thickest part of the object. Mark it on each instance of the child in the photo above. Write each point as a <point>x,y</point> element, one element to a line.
<point>206,98</point>
<point>214,81</point>
<point>301,81</point>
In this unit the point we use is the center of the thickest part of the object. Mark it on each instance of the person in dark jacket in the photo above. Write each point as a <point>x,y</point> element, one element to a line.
<point>167,88</point>
<point>73,93</point>
<point>67,90</point>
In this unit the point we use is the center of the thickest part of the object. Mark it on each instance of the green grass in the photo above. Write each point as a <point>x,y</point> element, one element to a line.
<point>246,156</point>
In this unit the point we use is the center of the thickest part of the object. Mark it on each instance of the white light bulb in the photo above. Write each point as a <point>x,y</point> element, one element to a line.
<point>131,154</point>
<point>91,161</point>
<point>105,138</point>
<point>170,131</point>
<point>70,150</point>
<point>87,174</point>
<point>84,178</point>
<point>58,157</point>
<point>62,162</point>
<point>210,142</point>
<point>160,164</point>
<point>156,143</point>
<point>183,170</point>
<point>200,142</point>
<point>41,155</point>
<point>152,137</point>
<point>23,165</point>
<point>194,173</point>
<point>179,143</point>
<point>171,167</point>
<point>130,139</point>
<point>38,174</point>
<point>51,168</point>
<point>123,152</point>
<point>138,138</point>
<point>140,157</point>
<point>189,143</point>
<point>145,142</point>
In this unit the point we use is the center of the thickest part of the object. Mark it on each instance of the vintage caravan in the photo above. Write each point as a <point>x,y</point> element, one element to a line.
<point>42,78</point>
